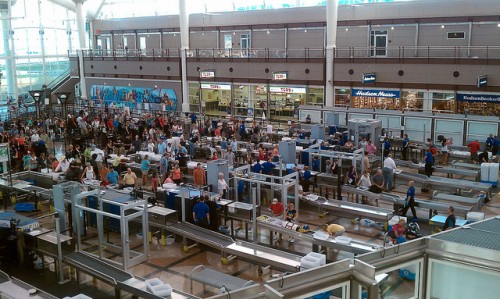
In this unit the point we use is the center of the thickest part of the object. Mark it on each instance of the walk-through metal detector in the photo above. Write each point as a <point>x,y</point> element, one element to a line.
<point>256,180</point>
<point>129,210</point>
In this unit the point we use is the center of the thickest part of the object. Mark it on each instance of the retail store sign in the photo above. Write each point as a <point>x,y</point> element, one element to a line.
<point>207,74</point>
<point>216,86</point>
<point>287,89</point>
<point>482,81</point>
<point>369,78</point>
<point>376,93</point>
<point>488,98</point>
<point>277,76</point>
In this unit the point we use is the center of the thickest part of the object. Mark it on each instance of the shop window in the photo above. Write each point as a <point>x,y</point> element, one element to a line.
<point>216,98</point>
<point>194,97</point>
<point>412,100</point>
<point>443,102</point>
<point>314,96</point>
<point>342,97</point>
<point>284,101</point>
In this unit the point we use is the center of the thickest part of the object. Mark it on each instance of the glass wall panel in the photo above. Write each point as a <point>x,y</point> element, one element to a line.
<point>216,98</point>
<point>342,97</point>
<point>284,101</point>
<point>450,280</point>
<point>402,281</point>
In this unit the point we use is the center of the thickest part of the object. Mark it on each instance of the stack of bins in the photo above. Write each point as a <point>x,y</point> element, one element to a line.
<point>312,260</point>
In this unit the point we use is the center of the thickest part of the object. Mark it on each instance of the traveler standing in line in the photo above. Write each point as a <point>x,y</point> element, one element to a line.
<point>388,171</point>
<point>474,148</point>
<point>428,162</point>
<point>291,216</point>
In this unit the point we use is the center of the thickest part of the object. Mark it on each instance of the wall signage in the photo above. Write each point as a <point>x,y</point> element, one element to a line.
<point>287,89</point>
<point>376,93</point>
<point>369,78</point>
<point>490,98</point>
<point>482,81</point>
<point>207,74</point>
<point>277,76</point>
<point>215,86</point>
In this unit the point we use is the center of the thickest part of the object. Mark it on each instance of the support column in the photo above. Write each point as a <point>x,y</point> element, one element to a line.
<point>80,24</point>
<point>184,27</point>
<point>68,32</point>
<point>331,43</point>
<point>41,32</point>
<point>9,49</point>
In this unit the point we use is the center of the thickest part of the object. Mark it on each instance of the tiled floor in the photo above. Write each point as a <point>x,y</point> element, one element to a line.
<point>172,265</point>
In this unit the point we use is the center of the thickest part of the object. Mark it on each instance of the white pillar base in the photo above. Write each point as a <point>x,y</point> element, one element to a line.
<point>185,107</point>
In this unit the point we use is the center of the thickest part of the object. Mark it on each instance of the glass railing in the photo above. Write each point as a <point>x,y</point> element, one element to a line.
<point>448,52</point>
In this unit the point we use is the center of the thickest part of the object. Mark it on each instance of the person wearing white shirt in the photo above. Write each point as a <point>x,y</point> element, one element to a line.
<point>151,147</point>
<point>389,166</point>
<point>63,165</point>
<point>365,181</point>
<point>222,186</point>
<point>35,137</point>
<point>269,129</point>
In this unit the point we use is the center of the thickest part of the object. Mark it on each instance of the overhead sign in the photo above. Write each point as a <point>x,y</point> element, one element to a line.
<point>489,98</point>
<point>482,81</point>
<point>216,86</point>
<point>287,89</point>
<point>207,74</point>
<point>376,93</point>
<point>369,78</point>
<point>277,76</point>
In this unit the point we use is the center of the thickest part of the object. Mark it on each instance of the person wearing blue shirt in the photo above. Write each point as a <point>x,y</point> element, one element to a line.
<point>268,166</point>
<point>306,177</point>
<point>496,144</point>
<point>242,131</point>
<point>387,147</point>
<point>193,118</point>
<point>257,168</point>
<point>112,176</point>
<point>241,190</point>
<point>201,214</point>
<point>489,142</point>
<point>429,160</point>
<point>315,164</point>
<point>162,146</point>
<point>145,166</point>
<point>410,201</point>
<point>406,143</point>
<point>234,146</point>
<point>293,169</point>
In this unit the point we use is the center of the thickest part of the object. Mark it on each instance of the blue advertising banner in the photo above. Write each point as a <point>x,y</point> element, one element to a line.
<point>376,93</point>
<point>134,96</point>
<point>467,97</point>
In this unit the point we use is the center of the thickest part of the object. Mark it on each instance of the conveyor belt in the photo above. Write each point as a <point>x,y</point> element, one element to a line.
<point>253,252</point>
<point>114,276</point>
<point>440,182</point>
<point>90,264</point>
<point>356,247</point>
<point>344,209</point>
<point>200,235</point>
<point>441,169</point>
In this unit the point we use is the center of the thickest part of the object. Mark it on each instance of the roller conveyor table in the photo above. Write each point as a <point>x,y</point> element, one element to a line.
<point>249,251</point>
<point>450,171</point>
<point>344,208</point>
<point>440,182</point>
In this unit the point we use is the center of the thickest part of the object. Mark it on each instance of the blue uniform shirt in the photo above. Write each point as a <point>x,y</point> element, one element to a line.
<point>201,210</point>
<point>307,175</point>
<point>257,168</point>
<point>428,157</point>
<point>411,192</point>
<point>315,165</point>
<point>267,167</point>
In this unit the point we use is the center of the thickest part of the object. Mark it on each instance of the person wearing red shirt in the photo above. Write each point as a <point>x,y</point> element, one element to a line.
<point>474,148</point>
<point>277,208</point>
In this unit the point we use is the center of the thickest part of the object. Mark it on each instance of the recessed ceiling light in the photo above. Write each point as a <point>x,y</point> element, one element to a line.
<point>442,26</point>
<point>268,32</point>
<point>346,29</point>
<point>305,30</point>
<point>392,28</point>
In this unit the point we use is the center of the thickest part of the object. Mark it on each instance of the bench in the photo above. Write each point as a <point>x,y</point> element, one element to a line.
<point>476,202</point>
<point>217,279</point>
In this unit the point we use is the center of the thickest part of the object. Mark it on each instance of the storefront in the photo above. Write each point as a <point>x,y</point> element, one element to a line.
<point>216,98</point>
<point>412,100</point>
<point>315,96</point>
<point>249,100</point>
<point>284,101</point>
<point>194,96</point>
<point>376,99</point>
<point>478,104</point>
<point>342,97</point>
